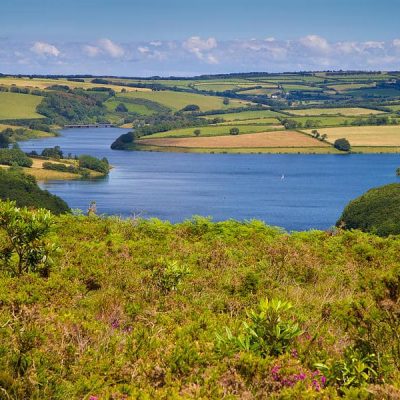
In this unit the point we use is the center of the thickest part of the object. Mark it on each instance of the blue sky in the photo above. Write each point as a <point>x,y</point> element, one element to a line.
<point>181,37</point>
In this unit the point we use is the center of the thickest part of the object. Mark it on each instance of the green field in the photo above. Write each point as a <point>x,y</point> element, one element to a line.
<point>301,88</point>
<point>18,106</point>
<point>351,111</point>
<point>178,100</point>
<point>394,108</point>
<point>136,108</point>
<point>272,121</point>
<point>213,130</point>
<point>245,115</point>
<point>325,120</point>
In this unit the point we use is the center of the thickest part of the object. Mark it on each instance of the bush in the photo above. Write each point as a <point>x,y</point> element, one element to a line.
<point>267,333</point>
<point>234,131</point>
<point>60,167</point>
<point>52,152</point>
<point>121,107</point>
<point>377,211</point>
<point>14,156</point>
<point>191,107</point>
<point>342,144</point>
<point>26,249</point>
<point>169,276</point>
<point>93,163</point>
<point>197,132</point>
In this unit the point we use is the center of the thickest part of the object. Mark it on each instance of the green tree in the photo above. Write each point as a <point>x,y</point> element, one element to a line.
<point>121,107</point>
<point>377,211</point>
<point>342,144</point>
<point>197,132</point>
<point>52,152</point>
<point>234,131</point>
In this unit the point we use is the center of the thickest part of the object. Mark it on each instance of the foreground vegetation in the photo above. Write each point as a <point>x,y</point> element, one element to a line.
<point>125,309</point>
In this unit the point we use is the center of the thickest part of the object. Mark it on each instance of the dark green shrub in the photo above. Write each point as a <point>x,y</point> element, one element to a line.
<point>342,144</point>
<point>14,156</point>
<point>377,211</point>
<point>15,185</point>
<point>93,163</point>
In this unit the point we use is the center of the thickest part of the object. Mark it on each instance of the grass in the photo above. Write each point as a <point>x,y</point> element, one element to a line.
<point>263,121</point>
<point>394,107</point>
<point>214,130</point>
<point>351,111</point>
<point>239,116</point>
<point>250,140</point>
<point>302,88</point>
<point>350,86</point>
<point>108,321</point>
<point>178,100</point>
<point>42,83</point>
<point>380,136</point>
<point>18,106</point>
<point>136,108</point>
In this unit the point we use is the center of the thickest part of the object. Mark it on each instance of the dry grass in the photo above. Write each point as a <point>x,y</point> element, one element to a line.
<point>45,83</point>
<point>388,135</point>
<point>352,111</point>
<point>251,140</point>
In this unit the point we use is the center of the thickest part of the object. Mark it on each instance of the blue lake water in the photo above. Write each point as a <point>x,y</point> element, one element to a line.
<point>175,186</point>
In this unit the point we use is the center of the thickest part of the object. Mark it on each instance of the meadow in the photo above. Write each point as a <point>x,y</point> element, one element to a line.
<point>215,130</point>
<point>351,111</point>
<point>178,100</point>
<point>131,107</point>
<point>42,83</point>
<point>365,135</point>
<point>243,115</point>
<point>18,106</point>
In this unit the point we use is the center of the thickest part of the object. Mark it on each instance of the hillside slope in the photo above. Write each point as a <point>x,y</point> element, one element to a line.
<point>140,309</point>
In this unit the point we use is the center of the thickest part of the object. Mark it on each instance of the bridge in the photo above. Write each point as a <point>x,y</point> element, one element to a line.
<point>90,126</point>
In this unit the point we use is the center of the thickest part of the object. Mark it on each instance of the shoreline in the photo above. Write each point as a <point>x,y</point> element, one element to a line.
<point>267,150</point>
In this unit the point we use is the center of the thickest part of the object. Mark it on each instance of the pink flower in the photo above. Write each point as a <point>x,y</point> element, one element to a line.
<point>93,398</point>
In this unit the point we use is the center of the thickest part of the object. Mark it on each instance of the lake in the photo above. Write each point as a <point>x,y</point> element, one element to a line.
<point>296,192</point>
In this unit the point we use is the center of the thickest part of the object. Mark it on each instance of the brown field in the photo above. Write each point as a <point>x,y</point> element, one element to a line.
<point>251,140</point>
<point>388,135</point>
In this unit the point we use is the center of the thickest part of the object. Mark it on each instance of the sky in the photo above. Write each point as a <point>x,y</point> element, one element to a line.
<point>186,37</point>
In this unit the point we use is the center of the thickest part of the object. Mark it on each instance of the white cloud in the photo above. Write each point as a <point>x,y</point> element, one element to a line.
<point>91,51</point>
<point>373,45</point>
<point>200,47</point>
<point>396,42</point>
<point>111,48</point>
<point>156,43</point>
<point>315,43</point>
<point>143,49</point>
<point>45,49</point>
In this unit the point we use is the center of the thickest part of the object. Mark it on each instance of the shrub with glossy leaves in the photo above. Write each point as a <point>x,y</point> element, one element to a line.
<point>269,331</point>
<point>25,248</point>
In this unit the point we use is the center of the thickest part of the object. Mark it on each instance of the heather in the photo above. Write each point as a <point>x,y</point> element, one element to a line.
<point>127,309</point>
